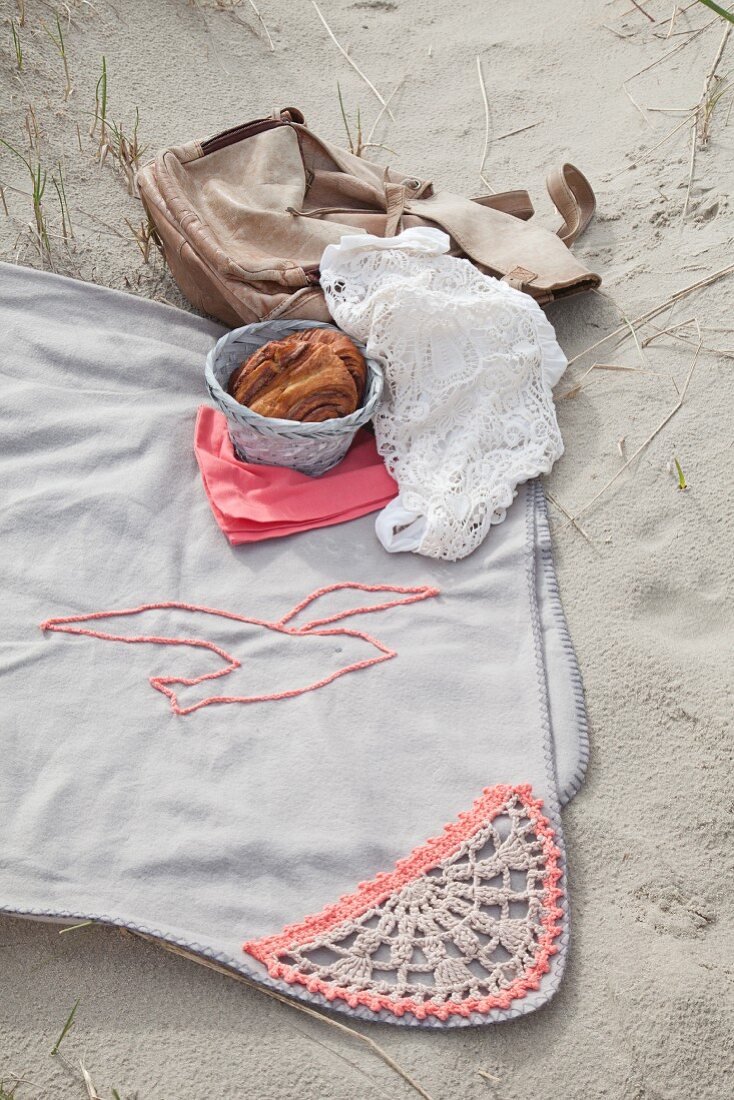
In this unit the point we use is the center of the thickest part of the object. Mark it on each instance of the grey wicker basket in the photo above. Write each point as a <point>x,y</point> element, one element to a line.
<point>311,448</point>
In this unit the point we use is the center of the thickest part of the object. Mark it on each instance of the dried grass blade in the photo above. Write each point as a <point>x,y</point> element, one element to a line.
<point>256,10</point>
<point>74,927</point>
<point>581,531</point>
<point>485,147</point>
<point>354,65</point>
<point>699,112</point>
<point>645,317</point>
<point>669,416</point>
<point>645,13</point>
<point>635,104</point>
<point>91,1090</point>
<point>388,101</point>
<point>667,331</point>
<point>341,1057</point>
<point>519,130</point>
<point>312,1012</point>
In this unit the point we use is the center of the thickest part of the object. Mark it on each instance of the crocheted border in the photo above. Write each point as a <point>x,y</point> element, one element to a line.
<point>408,595</point>
<point>489,805</point>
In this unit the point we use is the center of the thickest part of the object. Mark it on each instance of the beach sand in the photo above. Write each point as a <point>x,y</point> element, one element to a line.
<point>645,1009</point>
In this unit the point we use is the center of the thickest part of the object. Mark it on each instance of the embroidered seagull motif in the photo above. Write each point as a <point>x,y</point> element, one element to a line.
<point>320,627</point>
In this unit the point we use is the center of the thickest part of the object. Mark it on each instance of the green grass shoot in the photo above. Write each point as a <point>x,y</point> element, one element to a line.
<point>719,11</point>
<point>66,1028</point>
<point>58,41</point>
<point>682,483</point>
<point>38,176</point>
<point>17,46</point>
<point>344,117</point>
<point>100,107</point>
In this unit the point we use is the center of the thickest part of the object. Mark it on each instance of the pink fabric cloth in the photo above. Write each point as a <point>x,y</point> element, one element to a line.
<point>251,503</point>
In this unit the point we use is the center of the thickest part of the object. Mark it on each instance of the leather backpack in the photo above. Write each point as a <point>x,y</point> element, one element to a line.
<point>244,218</point>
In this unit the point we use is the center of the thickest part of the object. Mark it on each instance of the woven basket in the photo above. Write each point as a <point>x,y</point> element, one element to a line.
<point>311,448</point>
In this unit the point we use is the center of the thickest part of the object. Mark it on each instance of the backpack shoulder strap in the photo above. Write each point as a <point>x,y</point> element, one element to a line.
<point>516,203</point>
<point>574,199</point>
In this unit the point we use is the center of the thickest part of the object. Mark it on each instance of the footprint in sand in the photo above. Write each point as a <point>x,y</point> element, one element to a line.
<point>671,911</point>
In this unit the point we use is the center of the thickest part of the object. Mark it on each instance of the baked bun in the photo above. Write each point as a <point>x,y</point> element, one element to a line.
<point>313,375</point>
<point>351,356</point>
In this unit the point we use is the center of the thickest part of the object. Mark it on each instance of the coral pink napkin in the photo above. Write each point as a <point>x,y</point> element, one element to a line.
<point>251,502</point>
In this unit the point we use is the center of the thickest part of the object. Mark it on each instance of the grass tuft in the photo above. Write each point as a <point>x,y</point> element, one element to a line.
<point>126,151</point>
<point>112,139</point>
<point>720,88</point>
<point>146,237</point>
<point>357,143</point>
<point>38,176</point>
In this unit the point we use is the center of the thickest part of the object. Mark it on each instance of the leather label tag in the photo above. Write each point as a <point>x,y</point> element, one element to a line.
<point>519,277</point>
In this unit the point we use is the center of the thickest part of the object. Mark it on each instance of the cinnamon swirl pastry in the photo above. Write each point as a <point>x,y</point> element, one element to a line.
<point>313,375</point>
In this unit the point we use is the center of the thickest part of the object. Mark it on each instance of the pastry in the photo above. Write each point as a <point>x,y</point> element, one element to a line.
<point>351,356</point>
<point>313,375</point>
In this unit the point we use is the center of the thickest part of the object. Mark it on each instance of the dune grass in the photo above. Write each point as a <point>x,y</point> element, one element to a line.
<point>38,176</point>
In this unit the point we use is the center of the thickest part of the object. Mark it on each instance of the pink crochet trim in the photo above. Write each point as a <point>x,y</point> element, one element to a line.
<point>408,595</point>
<point>407,909</point>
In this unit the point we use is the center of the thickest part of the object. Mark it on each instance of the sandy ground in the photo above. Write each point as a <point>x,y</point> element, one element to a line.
<point>646,1008</point>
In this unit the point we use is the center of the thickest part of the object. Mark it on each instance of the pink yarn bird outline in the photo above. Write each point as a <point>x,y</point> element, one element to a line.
<point>409,595</point>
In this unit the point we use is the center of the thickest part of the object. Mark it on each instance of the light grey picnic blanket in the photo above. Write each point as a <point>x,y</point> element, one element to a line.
<point>371,822</point>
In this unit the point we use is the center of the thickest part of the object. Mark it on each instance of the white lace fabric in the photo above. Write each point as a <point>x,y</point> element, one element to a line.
<point>469,366</point>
